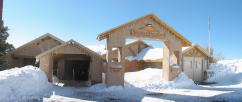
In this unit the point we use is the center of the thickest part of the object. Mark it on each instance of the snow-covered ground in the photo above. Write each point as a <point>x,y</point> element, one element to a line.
<point>142,86</point>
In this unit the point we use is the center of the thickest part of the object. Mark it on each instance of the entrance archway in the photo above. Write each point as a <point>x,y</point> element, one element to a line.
<point>148,27</point>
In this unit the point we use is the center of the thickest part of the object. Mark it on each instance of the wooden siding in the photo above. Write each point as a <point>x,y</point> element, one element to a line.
<point>31,50</point>
<point>74,48</point>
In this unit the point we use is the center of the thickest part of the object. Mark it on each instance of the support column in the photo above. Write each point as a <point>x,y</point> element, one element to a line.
<point>50,66</point>
<point>171,60</point>
<point>46,65</point>
<point>115,70</point>
<point>166,62</point>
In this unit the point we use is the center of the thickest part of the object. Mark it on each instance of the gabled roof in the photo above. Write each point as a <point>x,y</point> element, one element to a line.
<point>38,39</point>
<point>104,35</point>
<point>131,44</point>
<point>136,42</point>
<point>148,53</point>
<point>101,50</point>
<point>65,44</point>
<point>199,48</point>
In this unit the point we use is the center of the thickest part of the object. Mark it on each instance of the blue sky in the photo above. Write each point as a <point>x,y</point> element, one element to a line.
<point>84,20</point>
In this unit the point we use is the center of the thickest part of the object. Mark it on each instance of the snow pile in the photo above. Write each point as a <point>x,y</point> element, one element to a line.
<point>21,84</point>
<point>147,79</point>
<point>151,79</point>
<point>100,49</point>
<point>149,53</point>
<point>224,71</point>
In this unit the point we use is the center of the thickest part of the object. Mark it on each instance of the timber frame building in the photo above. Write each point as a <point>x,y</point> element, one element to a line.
<point>76,64</point>
<point>148,27</point>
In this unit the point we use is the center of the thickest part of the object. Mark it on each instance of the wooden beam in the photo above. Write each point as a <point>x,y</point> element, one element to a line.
<point>23,56</point>
<point>144,35</point>
<point>132,52</point>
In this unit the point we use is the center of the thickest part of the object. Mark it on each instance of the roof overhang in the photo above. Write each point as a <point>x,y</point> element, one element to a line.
<point>37,39</point>
<point>72,42</point>
<point>199,48</point>
<point>185,42</point>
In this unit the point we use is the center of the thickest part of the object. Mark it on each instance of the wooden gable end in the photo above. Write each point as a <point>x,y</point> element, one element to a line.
<point>131,49</point>
<point>194,52</point>
<point>37,47</point>
<point>70,47</point>
<point>148,27</point>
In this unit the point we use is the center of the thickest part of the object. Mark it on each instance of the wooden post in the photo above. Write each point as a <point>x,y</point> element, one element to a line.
<point>115,70</point>
<point>166,62</point>
<point>50,66</point>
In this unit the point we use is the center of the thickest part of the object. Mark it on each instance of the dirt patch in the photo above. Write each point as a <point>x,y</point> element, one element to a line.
<point>206,83</point>
<point>219,101</point>
<point>155,94</point>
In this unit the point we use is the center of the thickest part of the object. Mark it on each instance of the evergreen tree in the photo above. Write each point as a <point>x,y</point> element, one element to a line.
<point>5,47</point>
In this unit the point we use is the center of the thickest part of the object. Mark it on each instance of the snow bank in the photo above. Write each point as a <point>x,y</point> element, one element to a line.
<point>149,53</point>
<point>151,79</point>
<point>147,79</point>
<point>21,84</point>
<point>224,71</point>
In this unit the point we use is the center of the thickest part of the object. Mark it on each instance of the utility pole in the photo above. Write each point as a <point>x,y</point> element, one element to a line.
<point>1,13</point>
<point>209,36</point>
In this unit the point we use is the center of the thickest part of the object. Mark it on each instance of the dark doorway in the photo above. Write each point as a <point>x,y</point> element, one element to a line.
<point>77,70</point>
<point>55,68</point>
<point>30,61</point>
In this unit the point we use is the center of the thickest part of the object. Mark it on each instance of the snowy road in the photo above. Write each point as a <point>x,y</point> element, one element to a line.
<point>211,93</point>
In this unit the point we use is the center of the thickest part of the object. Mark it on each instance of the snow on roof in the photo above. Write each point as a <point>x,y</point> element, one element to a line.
<point>100,49</point>
<point>184,48</point>
<point>149,53</point>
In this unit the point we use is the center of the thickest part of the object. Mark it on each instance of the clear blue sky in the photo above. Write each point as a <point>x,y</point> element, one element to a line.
<point>84,20</point>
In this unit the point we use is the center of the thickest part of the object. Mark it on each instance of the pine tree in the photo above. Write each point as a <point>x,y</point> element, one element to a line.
<point>5,47</point>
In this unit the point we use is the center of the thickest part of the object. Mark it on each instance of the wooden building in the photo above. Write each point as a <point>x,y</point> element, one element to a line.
<point>72,63</point>
<point>25,55</point>
<point>131,49</point>
<point>148,27</point>
<point>148,57</point>
<point>195,60</point>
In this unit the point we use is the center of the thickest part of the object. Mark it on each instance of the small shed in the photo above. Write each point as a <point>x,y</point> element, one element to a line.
<point>25,55</point>
<point>195,61</point>
<point>73,64</point>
